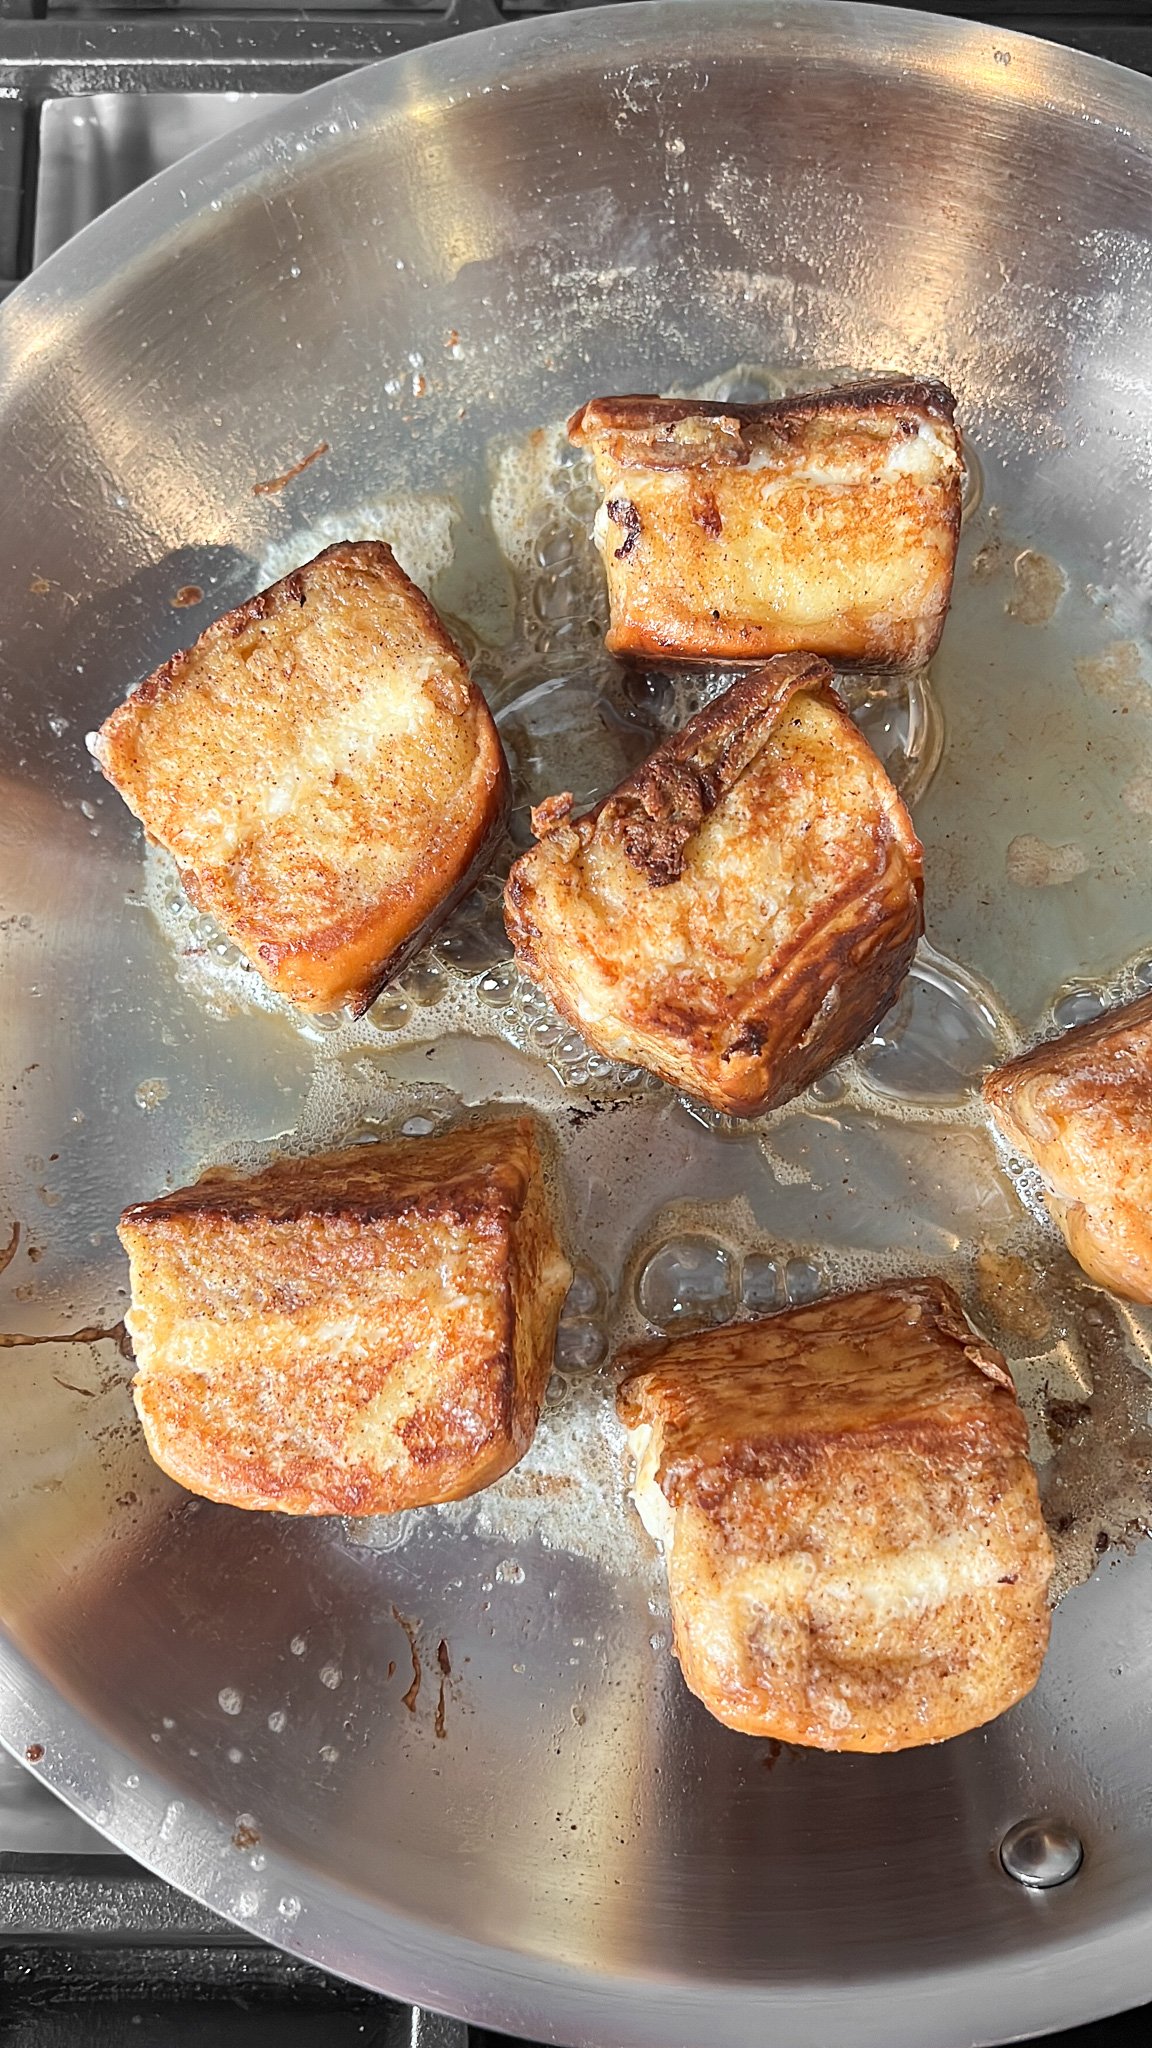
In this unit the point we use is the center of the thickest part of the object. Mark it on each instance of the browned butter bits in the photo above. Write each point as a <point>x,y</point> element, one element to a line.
<point>351,1334</point>
<point>856,1555</point>
<point>324,772</point>
<point>827,522</point>
<point>740,912</point>
<point>1080,1107</point>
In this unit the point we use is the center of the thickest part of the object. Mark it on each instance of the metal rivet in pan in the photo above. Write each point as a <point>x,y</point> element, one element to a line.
<point>1041,1853</point>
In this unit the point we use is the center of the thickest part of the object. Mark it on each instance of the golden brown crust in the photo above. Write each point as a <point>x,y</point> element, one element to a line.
<point>322,769</point>
<point>351,1334</point>
<point>856,1555</point>
<point>741,911</point>
<point>826,521</point>
<point>649,417</point>
<point>1080,1107</point>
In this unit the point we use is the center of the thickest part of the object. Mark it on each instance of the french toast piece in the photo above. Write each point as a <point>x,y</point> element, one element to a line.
<point>741,911</point>
<point>826,522</point>
<point>325,773</point>
<point>1080,1107</point>
<point>351,1334</point>
<point>856,1555</point>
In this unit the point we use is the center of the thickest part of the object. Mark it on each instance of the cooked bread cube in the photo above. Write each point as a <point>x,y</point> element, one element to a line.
<point>324,772</point>
<point>856,1555</point>
<point>826,522</point>
<point>741,911</point>
<point>351,1334</point>
<point>1080,1108</point>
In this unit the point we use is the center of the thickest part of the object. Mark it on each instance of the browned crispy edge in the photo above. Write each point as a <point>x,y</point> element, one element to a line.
<point>1059,1054</point>
<point>290,590</point>
<point>338,938</point>
<point>860,926</point>
<point>633,412</point>
<point>996,1431</point>
<point>398,1177</point>
<point>294,1189</point>
<point>314,950</point>
<point>665,801</point>
<point>940,1303</point>
<point>638,431</point>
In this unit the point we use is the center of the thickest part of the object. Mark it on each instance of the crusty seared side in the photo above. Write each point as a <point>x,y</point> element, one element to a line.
<point>827,522</point>
<point>323,770</point>
<point>351,1334</point>
<point>856,1555</point>
<point>1080,1107</point>
<point>741,911</point>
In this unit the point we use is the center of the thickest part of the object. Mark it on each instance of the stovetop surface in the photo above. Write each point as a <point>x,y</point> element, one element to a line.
<point>95,97</point>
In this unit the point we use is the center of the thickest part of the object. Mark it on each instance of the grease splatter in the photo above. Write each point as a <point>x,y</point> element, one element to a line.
<point>1033,864</point>
<point>1116,674</point>
<point>445,1662</point>
<point>413,1692</point>
<point>1038,585</point>
<point>272,484</point>
<point>92,1333</point>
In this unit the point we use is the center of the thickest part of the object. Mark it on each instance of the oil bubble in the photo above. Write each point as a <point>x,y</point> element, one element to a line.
<point>423,982</point>
<point>804,1280</point>
<point>944,1031</point>
<point>900,718</point>
<point>761,1283</point>
<point>580,1345</point>
<point>586,1293</point>
<point>497,984</point>
<point>687,1282</point>
<point>1077,1005</point>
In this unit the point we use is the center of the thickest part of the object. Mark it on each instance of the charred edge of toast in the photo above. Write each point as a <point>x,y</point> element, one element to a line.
<point>1054,1055</point>
<point>868,923</point>
<point>366,1183</point>
<point>639,413</point>
<point>663,804</point>
<point>449,1205</point>
<point>939,1305</point>
<point>292,590</point>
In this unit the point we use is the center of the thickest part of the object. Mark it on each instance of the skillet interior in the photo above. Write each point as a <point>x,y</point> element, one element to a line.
<point>630,198</point>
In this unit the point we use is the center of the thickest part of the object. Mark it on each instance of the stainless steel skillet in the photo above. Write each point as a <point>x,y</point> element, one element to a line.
<point>414,267</point>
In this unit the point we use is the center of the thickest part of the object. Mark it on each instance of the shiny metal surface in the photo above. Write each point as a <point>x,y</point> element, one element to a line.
<point>1042,1853</point>
<point>34,1823</point>
<point>95,148</point>
<point>635,196</point>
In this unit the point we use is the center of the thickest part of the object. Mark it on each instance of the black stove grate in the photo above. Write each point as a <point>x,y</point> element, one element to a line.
<point>95,1952</point>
